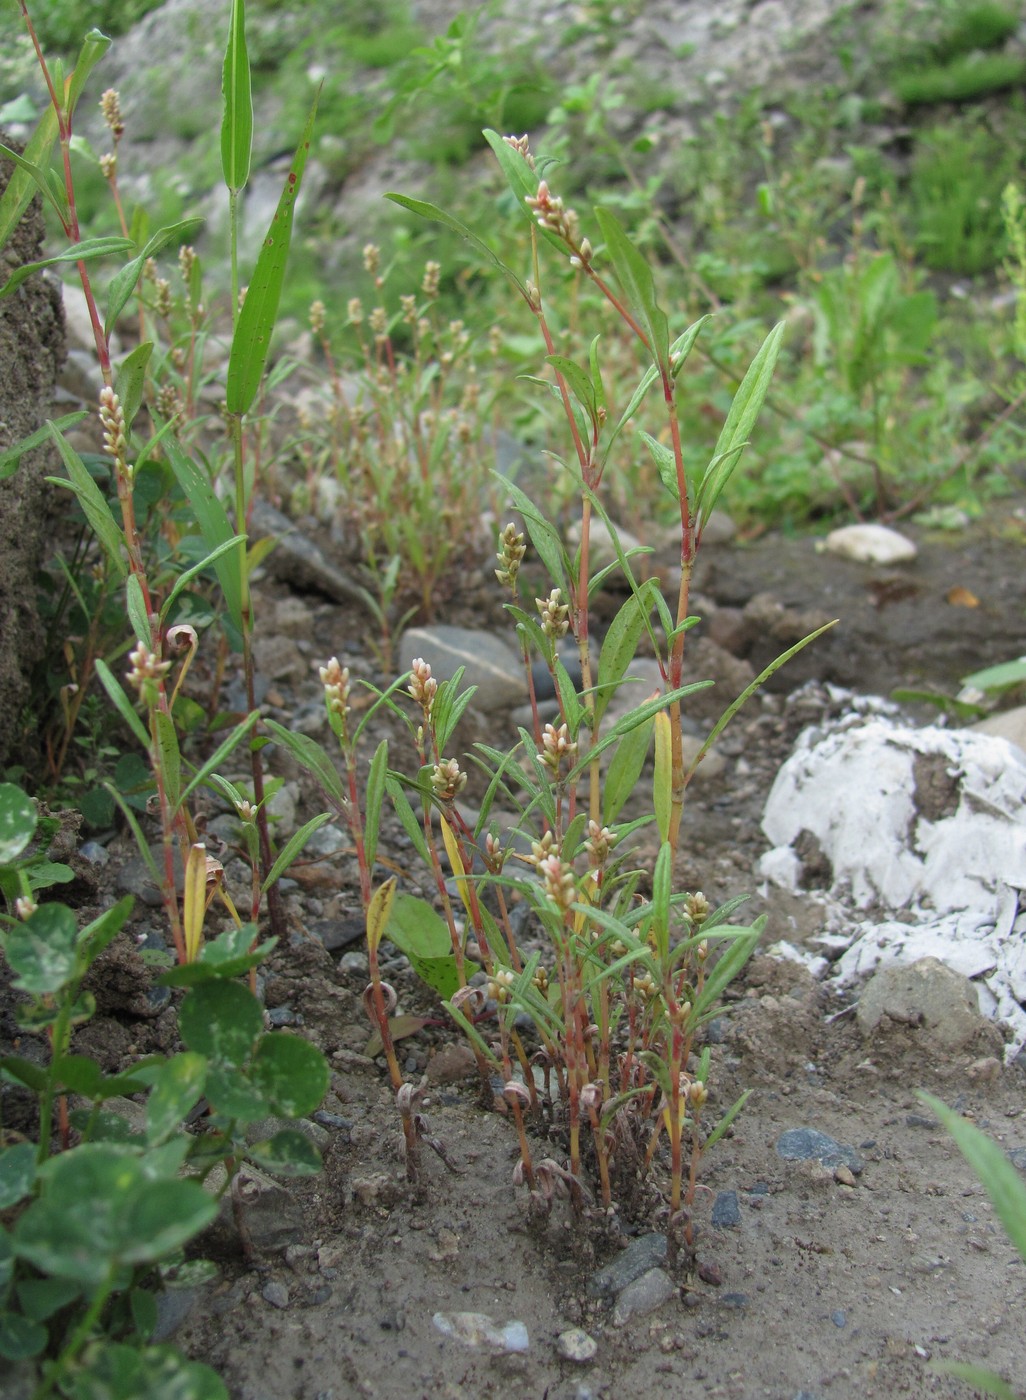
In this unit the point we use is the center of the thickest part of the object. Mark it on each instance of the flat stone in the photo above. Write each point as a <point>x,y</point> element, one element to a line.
<point>641,1255</point>
<point>136,878</point>
<point>275,1293</point>
<point>643,1296</point>
<point>925,993</point>
<point>810,1145</point>
<point>272,1215</point>
<point>296,560</point>
<point>278,658</point>
<point>870,544</point>
<point>726,1212</point>
<point>490,664</point>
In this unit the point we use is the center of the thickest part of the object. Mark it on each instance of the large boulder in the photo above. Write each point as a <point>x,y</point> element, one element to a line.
<point>31,355</point>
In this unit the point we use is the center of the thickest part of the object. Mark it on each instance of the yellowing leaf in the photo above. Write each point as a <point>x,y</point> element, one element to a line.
<point>452,850</point>
<point>377,914</point>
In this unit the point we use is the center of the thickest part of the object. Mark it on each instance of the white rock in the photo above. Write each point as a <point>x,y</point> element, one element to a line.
<point>1009,724</point>
<point>870,544</point>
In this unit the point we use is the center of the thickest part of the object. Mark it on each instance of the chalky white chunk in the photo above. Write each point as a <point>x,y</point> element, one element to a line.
<point>870,544</point>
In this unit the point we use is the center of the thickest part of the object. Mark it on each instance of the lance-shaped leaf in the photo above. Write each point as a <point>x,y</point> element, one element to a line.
<point>123,284</point>
<point>251,342</point>
<point>97,511</point>
<point>86,251</point>
<point>452,850</point>
<point>523,181</point>
<point>439,216</point>
<point>130,380</point>
<point>195,900</point>
<point>737,429</point>
<point>635,277</point>
<point>237,89</point>
<point>124,706</point>
<point>379,911</point>
<point>10,458</point>
<point>94,46</point>
<point>15,198</point>
<point>662,779</point>
<point>214,527</point>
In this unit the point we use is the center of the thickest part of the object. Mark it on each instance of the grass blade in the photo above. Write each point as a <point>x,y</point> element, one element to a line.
<point>237,89</point>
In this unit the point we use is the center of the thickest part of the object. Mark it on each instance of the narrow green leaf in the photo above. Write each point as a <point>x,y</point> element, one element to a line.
<point>34,170</point>
<point>544,535</point>
<point>999,1177</point>
<point>94,46</point>
<point>749,690</point>
<point>16,197</point>
<point>683,345</point>
<point>130,380</point>
<point>237,90</point>
<point>170,756</point>
<point>213,522</point>
<point>123,705</point>
<point>621,643</point>
<point>407,816</point>
<point>219,755</point>
<point>578,382</point>
<point>86,251</point>
<point>523,181</point>
<point>293,848</point>
<point>373,800</point>
<point>624,770</point>
<point>136,606</point>
<point>666,463</point>
<point>251,342</point>
<point>185,579</point>
<point>635,277</point>
<point>439,216</point>
<point>96,509</point>
<point>123,284</point>
<point>310,756</point>
<point>741,419</point>
<point>726,1120</point>
<point>11,456</point>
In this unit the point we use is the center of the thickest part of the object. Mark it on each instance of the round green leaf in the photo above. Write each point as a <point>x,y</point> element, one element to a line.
<point>222,1021</point>
<point>113,1371</point>
<point>41,950</point>
<point>20,1338</point>
<point>177,1087</point>
<point>17,1173</point>
<point>17,822</point>
<point>288,1153</point>
<point>292,1073</point>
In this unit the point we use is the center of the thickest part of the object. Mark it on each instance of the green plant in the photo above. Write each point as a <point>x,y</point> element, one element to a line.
<point>1005,1188</point>
<point>958,174</point>
<point>97,1213</point>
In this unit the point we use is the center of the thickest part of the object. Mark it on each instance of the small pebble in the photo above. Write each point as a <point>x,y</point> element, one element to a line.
<point>839,1318</point>
<point>576,1345</point>
<point>94,853</point>
<point>644,1295</point>
<point>843,1176</point>
<point>807,1144</point>
<point>726,1212</point>
<point>640,1255</point>
<point>478,1331</point>
<point>275,1293</point>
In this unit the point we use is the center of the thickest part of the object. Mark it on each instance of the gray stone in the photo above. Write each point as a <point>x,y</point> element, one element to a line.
<point>271,1215</point>
<point>641,1255</point>
<point>643,1296</point>
<point>491,665</point>
<point>726,1212</point>
<point>576,1345</point>
<point>278,658</point>
<point>136,878</point>
<point>296,560</point>
<point>173,1307</point>
<point>810,1145</point>
<point>926,993</point>
<point>275,1293</point>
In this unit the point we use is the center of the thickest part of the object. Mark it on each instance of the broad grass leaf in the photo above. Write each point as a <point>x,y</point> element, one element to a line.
<point>237,90</point>
<point>251,342</point>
